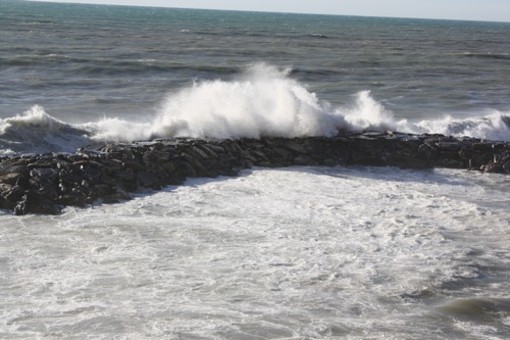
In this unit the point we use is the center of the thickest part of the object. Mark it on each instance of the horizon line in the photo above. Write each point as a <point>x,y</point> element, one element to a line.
<point>83,2</point>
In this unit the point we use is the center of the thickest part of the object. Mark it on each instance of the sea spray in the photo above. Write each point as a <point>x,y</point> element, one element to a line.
<point>37,131</point>
<point>493,126</point>
<point>35,118</point>
<point>118,130</point>
<point>262,101</point>
<point>369,114</point>
<point>265,101</point>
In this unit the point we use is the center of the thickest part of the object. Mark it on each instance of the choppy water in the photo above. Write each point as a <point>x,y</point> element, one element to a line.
<point>125,73</point>
<point>300,253</point>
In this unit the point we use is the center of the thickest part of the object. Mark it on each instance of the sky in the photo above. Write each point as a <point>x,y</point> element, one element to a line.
<point>484,10</point>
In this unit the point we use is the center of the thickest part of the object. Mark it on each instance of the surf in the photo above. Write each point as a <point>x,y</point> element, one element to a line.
<point>262,101</point>
<point>265,101</point>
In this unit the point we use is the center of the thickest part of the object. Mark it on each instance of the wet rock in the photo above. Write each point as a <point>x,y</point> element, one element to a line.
<point>43,184</point>
<point>32,203</point>
<point>428,151</point>
<point>506,167</point>
<point>45,187</point>
<point>297,147</point>
<point>148,180</point>
<point>209,151</point>
<point>10,195</point>
<point>13,178</point>
<point>116,197</point>
<point>73,198</point>
<point>304,160</point>
<point>197,153</point>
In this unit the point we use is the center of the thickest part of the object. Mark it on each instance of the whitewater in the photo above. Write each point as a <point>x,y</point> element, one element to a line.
<point>286,253</point>
<point>292,253</point>
<point>263,101</point>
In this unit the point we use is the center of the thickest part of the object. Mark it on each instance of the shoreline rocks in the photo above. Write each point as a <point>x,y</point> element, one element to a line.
<point>45,184</point>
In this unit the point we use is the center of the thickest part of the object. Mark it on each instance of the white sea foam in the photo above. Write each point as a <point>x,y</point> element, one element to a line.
<point>293,253</point>
<point>37,131</point>
<point>264,101</point>
<point>35,119</point>
<point>118,130</point>
<point>369,114</point>
<point>494,126</point>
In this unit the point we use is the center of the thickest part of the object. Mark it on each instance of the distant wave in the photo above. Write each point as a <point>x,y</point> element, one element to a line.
<point>263,101</point>
<point>494,56</point>
<point>111,66</point>
<point>318,36</point>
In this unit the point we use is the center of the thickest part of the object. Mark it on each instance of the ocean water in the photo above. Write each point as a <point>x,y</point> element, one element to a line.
<point>297,253</point>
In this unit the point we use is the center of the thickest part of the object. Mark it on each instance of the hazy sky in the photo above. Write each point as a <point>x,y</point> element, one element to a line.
<point>491,10</point>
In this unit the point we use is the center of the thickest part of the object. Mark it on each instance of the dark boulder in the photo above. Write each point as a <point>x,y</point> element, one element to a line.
<point>44,184</point>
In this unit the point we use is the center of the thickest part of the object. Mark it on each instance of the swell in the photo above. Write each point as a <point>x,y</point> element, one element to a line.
<point>111,66</point>
<point>491,56</point>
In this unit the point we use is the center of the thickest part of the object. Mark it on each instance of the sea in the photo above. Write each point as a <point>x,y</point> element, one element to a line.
<point>282,253</point>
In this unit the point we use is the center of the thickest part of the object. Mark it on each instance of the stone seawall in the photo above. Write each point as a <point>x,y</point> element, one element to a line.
<point>44,184</point>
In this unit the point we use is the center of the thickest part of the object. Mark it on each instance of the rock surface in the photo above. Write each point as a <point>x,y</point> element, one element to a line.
<point>44,184</point>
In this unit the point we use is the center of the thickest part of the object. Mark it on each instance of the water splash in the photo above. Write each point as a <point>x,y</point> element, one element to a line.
<point>263,101</point>
<point>494,126</point>
<point>37,131</point>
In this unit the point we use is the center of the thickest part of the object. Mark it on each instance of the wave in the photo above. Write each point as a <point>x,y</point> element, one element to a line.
<point>111,66</point>
<point>263,101</point>
<point>38,132</point>
<point>493,56</point>
<point>318,36</point>
<point>494,126</point>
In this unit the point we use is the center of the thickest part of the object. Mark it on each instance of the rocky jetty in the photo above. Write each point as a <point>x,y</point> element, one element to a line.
<point>44,184</point>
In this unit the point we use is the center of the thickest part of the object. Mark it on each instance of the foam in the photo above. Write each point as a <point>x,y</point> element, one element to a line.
<point>369,114</point>
<point>35,118</point>
<point>263,101</point>
<point>278,250</point>
<point>493,126</point>
<point>37,131</point>
<point>117,130</point>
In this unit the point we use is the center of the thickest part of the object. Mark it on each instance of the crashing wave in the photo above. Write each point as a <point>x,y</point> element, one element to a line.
<point>264,101</point>
<point>36,131</point>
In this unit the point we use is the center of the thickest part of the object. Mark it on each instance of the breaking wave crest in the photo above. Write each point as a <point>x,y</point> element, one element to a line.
<point>494,126</point>
<point>264,101</point>
<point>38,132</point>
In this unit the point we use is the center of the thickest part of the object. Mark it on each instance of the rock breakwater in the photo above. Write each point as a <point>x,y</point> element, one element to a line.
<point>44,184</point>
